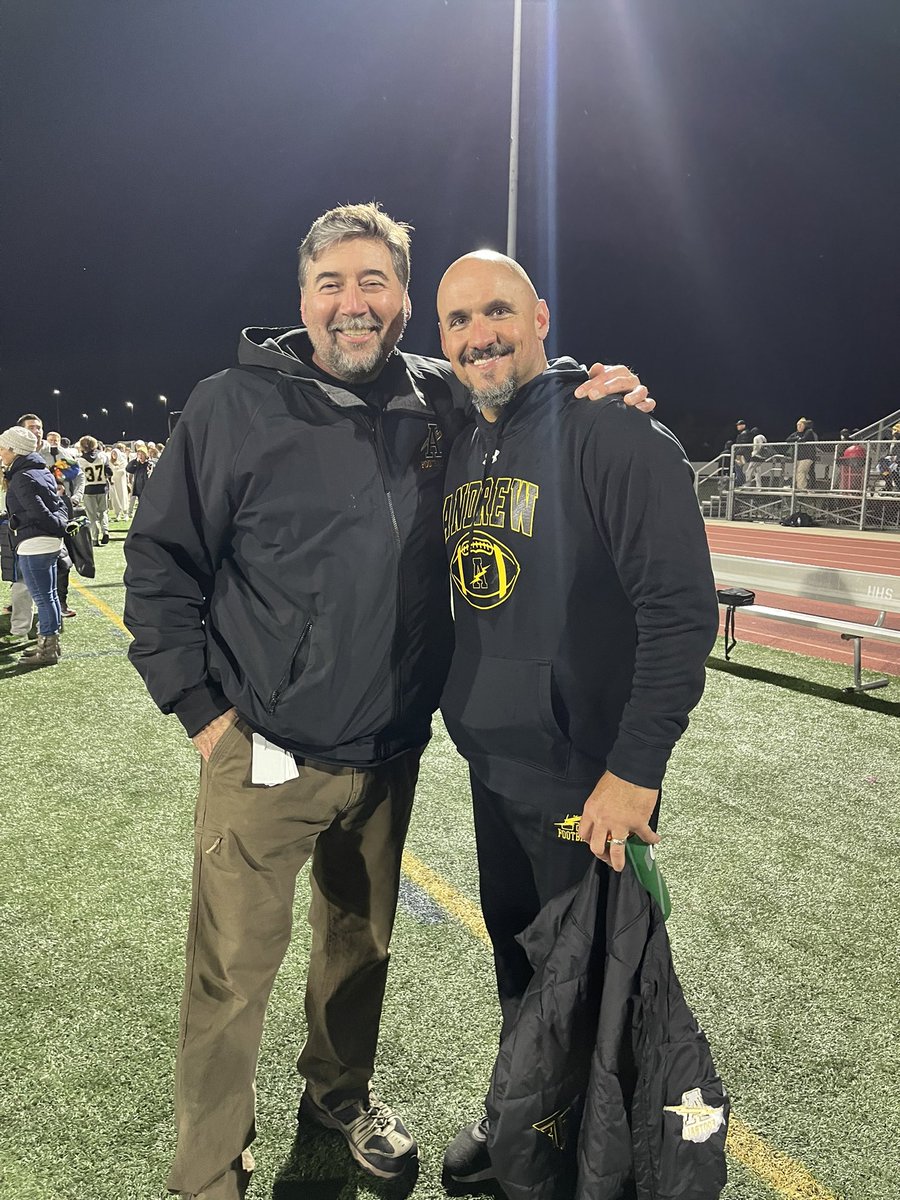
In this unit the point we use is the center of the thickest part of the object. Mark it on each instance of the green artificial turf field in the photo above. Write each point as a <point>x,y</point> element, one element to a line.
<point>780,848</point>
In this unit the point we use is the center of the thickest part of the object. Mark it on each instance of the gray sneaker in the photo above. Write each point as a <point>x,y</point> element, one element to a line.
<point>467,1159</point>
<point>375,1135</point>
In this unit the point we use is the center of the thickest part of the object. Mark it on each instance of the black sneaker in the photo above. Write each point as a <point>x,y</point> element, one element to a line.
<point>466,1159</point>
<point>375,1135</point>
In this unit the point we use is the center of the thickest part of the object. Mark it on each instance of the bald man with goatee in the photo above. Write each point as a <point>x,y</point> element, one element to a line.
<point>584,607</point>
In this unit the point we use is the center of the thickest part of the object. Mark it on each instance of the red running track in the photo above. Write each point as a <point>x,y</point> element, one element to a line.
<point>821,547</point>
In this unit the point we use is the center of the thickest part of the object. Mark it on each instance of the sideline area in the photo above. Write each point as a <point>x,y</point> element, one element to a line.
<point>780,848</point>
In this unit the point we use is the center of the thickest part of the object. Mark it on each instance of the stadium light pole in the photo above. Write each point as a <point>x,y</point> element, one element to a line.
<point>56,393</point>
<point>513,195</point>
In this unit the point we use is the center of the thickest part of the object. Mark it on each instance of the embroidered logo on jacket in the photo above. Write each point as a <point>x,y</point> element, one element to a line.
<point>554,1127</point>
<point>568,829</point>
<point>431,447</point>
<point>699,1120</point>
<point>484,570</point>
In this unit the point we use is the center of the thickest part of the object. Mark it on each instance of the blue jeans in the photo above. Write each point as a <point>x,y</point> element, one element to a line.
<point>39,574</point>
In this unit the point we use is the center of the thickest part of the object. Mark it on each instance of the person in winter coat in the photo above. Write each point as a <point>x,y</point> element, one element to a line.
<point>584,612</point>
<point>296,622</point>
<point>37,518</point>
<point>138,471</point>
<point>805,438</point>
<point>21,607</point>
<point>57,457</point>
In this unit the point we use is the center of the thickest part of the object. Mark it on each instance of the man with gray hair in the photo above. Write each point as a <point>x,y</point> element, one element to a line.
<point>296,622</point>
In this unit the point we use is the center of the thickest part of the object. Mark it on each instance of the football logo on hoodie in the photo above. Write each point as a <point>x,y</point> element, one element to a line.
<point>483,570</point>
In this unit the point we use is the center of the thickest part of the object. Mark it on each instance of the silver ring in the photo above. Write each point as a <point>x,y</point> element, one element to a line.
<point>616,841</point>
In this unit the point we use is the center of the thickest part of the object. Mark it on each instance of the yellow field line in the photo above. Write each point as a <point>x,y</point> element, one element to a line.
<point>467,913</point>
<point>99,604</point>
<point>784,1176</point>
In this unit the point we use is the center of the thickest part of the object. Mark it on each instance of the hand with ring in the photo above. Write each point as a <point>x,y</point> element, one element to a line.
<point>615,809</point>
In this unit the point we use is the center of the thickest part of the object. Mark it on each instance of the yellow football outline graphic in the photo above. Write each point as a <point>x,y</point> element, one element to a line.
<point>508,569</point>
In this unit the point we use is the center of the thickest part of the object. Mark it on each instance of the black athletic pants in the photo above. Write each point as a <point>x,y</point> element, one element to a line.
<point>528,852</point>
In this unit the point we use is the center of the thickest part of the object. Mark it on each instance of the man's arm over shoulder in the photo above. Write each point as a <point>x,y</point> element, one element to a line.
<point>177,539</point>
<point>640,486</point>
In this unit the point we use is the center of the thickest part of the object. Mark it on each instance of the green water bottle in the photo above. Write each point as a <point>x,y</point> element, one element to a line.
<point>643,862</point>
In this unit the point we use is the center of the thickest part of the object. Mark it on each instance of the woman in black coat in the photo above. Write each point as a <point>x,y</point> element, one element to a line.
<point>37,519</point>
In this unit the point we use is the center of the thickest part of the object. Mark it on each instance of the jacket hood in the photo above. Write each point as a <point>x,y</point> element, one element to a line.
<point>280,348</point>
<point>290,351</point>
<point>283,349</point>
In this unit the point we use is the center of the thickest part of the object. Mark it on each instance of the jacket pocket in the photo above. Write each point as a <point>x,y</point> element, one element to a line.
<point>292,671</point>
<point>261,640</point>
<point>503,708</point>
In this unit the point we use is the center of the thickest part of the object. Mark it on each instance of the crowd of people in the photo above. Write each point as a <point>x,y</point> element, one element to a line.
<point>48,487</point>
<point>759,463</point>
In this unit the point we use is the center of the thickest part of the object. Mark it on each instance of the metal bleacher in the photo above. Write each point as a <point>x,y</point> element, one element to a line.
<point>853,483</point>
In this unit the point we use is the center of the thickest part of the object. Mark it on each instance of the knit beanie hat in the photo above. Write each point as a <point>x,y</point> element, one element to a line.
<point>18,439</point>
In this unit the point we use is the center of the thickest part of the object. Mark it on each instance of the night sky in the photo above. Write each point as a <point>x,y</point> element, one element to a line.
<point>710,189</point>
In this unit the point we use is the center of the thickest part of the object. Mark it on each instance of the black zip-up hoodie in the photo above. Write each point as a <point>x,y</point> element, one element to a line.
<point>584,598</point>
<point>286,555</point>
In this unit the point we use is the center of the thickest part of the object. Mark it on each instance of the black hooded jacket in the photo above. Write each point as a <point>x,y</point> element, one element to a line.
<point>583,593</point>
<point>286,555</point>
<point>605,1087</point>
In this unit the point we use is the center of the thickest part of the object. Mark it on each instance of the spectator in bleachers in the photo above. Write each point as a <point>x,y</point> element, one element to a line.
<point>805,437</point>
<point>888,466</point>
<point>757,460</point>
<point>741,438</point>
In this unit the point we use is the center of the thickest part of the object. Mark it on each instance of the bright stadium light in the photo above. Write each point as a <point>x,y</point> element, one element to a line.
<point>105,412</point>
<point>163,399</point>
<point>128,404</point>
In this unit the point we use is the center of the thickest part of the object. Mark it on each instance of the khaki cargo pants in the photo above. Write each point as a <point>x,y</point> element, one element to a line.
<point>250,843</point>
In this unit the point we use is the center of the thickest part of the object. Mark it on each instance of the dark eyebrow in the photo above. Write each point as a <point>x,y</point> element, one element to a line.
<point>457,312</point>
<point>495,303</point>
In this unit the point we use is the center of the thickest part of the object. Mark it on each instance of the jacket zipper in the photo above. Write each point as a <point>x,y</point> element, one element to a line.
<point>381,458</point>
<point>282,682</point>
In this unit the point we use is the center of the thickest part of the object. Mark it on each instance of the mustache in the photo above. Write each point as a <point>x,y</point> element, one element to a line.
<point>498,350</point>
<point>356,325</point>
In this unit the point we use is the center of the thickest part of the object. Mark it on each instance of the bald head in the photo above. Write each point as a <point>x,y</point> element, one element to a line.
<point>492,327</point>
<point>485,259</point>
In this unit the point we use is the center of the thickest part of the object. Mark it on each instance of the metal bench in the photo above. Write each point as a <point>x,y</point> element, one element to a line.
<point>857,589</point>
